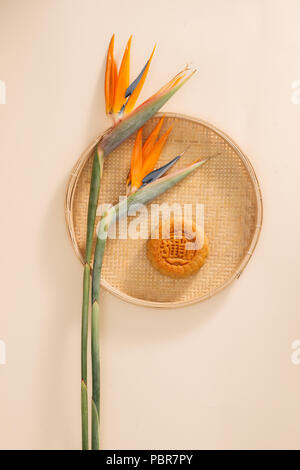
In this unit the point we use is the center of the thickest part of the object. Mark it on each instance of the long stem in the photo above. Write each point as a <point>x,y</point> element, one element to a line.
<point>84,333</point>
<point>92,209</point>
<point>98,259</point>
<point>96,376</point>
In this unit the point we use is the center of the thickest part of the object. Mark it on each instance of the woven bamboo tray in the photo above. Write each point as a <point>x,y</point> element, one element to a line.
<point>227,187</point>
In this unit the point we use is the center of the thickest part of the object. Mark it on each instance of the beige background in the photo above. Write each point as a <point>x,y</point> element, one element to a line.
<point>214,375</point>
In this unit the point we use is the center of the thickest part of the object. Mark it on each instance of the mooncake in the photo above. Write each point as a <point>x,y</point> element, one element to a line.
<point>179,249</point>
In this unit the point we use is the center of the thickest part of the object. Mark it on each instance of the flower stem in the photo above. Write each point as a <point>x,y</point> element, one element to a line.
<point>84,333</point>
<point>96,376</point>
<point>97,266</point>
<point>92,209</point>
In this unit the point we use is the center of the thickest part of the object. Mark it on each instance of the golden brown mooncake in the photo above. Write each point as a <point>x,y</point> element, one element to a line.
<point>179,251</point>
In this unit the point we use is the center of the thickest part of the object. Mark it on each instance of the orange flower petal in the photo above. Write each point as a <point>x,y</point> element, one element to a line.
<point>109,90</point>
<point>123,79</point>
<point>148,145</point>
<point>135,94</point>
<point>137,161</point>
<point>181,76</point>
<point>150,162</point>
<point>114,79</point>
<point>128,179</point>
<point>150,141</point>
<point>173,82</point>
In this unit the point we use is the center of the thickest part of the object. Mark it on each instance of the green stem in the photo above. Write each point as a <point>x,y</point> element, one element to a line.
<point>84,333</point>
<point>98,259</point>
<point>97,172</point>
<point>96,376</point>
<point>84,416</point>
<point>92,209</point>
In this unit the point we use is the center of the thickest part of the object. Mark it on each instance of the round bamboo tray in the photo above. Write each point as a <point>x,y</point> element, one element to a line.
<point>227,187</point>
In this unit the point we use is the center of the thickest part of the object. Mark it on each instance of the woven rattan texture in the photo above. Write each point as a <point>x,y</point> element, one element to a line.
<point>227,188</point>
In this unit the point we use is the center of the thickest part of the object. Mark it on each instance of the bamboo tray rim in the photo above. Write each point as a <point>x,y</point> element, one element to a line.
<point>69,200</point>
